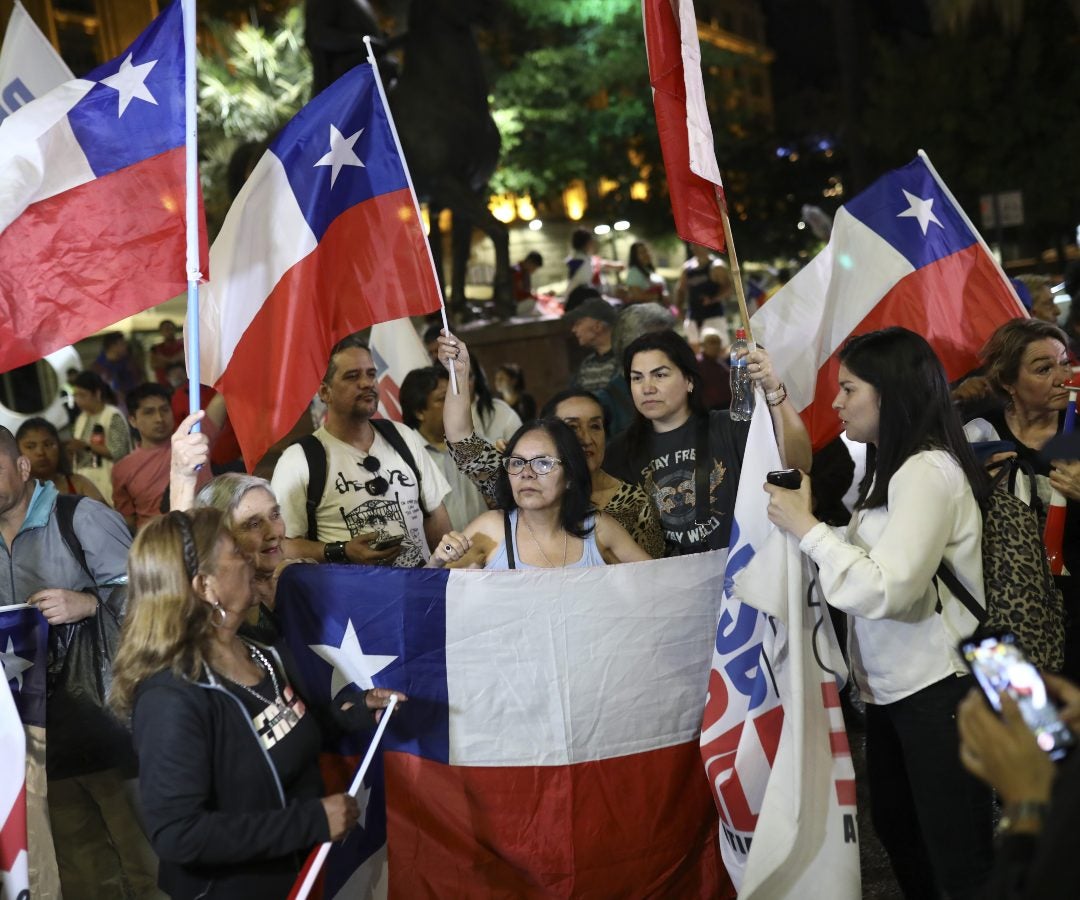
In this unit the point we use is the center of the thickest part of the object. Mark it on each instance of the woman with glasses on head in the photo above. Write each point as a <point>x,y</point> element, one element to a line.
<point>478,459</point>
<point>232,798</point>
<point>546,517</point>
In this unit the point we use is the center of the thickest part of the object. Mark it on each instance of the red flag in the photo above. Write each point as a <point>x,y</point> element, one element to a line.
<point>901,253</point>
<point>682,120</point>
<point>324,239</point>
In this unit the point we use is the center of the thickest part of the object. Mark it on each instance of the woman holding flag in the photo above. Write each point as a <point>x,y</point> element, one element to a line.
<point>228,751</point>
<point>918,505</point>
<point>687,458</point>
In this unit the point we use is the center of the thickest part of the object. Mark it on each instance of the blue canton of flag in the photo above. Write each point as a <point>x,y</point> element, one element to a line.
<point>24,651</point>
<point>136,109</point>
<point>909,209</point>
<point>362,159</point>
<point>403,647</point>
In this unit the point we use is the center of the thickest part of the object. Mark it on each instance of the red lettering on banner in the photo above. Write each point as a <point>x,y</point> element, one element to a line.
<point>845,791</point>
<point>716,702</point>
<point>768,726</point>
<point>838,743</point>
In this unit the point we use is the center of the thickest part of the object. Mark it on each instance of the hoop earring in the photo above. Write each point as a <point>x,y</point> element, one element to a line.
<point>218,608</point>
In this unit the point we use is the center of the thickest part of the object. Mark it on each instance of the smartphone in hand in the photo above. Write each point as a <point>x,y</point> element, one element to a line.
<point>1000,666</point>
<point>785,478</point>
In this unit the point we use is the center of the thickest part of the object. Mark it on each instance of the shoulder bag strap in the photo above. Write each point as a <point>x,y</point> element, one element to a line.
<point>65,521</point>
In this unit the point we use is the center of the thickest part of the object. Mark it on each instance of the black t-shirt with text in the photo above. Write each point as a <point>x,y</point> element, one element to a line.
<point>666,470</point>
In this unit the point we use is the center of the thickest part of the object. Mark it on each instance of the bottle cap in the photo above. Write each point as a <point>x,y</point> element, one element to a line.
<point>740,334</point>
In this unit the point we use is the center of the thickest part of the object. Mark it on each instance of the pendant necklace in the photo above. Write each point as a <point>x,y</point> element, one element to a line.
<point>565,538</point>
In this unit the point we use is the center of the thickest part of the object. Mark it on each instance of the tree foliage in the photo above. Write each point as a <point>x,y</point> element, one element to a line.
<point>994,112</point>
<point>249,88</point>
<point>574,102</point>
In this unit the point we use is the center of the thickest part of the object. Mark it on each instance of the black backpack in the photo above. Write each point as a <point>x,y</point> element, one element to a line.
<point>1021,595</point>
<point>315,454</point>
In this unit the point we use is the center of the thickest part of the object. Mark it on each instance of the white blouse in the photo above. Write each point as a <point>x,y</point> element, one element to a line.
<point>881,573</point>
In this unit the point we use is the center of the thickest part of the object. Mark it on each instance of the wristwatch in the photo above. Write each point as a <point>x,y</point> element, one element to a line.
<point>1024,811</point>
<point>334,552</point>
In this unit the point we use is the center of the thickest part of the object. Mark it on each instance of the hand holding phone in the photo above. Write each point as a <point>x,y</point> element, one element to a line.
<point>1000,667</point>
<point>785,478</point>
<point>387,541</point>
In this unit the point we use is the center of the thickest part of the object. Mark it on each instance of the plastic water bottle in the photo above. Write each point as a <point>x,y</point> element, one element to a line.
<point>742,388</point>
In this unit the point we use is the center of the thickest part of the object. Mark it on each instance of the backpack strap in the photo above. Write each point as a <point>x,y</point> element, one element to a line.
<point>65,521</point>
<point>393,437</point>
<point>509,532</point>
<point>315,454</point>
<point>961,593</point>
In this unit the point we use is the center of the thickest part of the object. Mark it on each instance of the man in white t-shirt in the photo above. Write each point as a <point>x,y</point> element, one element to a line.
<point>370,492</point>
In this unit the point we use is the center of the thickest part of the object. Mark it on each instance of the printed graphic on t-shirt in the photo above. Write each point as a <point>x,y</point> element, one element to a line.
<point>388,515</point>
<point>670,482</point>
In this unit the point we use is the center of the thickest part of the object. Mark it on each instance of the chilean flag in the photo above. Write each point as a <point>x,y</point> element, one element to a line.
<point>323,240</point>
<point>682,120</point>
<point>549,744</point>
<point>901,253</point>
<point>92,225</point>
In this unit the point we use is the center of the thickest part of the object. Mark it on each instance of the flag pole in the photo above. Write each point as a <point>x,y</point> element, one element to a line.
<point>314,864</point>
<point>191,209</point>
<point>733,259</point>
<point>412,193</point>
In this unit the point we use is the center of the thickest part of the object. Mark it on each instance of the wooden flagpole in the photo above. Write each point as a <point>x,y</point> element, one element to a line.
<point>733,261</point>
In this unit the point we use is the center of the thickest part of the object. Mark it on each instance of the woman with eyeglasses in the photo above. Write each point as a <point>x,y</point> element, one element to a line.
<point>478,458</point>
<point>546,517</point>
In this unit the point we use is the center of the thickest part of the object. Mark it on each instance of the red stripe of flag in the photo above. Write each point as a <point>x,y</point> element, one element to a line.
<point>504,828</point>
<point>694,201</point>
<point>344,285</point>
<point>943,298</point>
<point>91,256</point>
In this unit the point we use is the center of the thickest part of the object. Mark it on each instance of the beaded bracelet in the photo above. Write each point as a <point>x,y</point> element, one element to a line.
<point>775,398</point>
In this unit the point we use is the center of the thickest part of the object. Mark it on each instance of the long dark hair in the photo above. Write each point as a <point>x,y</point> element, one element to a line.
<point>95,384</point>
<point>639,433</point>
<point>577,502</point>
<point>632,262</point>
<point>916,409</point>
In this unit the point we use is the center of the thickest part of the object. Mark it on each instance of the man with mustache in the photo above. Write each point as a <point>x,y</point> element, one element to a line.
<point>377,482</point>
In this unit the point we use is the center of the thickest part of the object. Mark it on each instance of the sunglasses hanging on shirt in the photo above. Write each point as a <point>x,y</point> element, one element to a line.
<point>378,485</point>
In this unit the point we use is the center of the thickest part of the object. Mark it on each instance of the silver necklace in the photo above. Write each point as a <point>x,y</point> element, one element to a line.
<point>565,539</point>
<point>257,656</point>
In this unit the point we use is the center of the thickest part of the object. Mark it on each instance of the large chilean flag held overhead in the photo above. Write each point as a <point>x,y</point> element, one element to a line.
<point>92,224</point>
<point>901,253</point>
<point>323,240</point>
